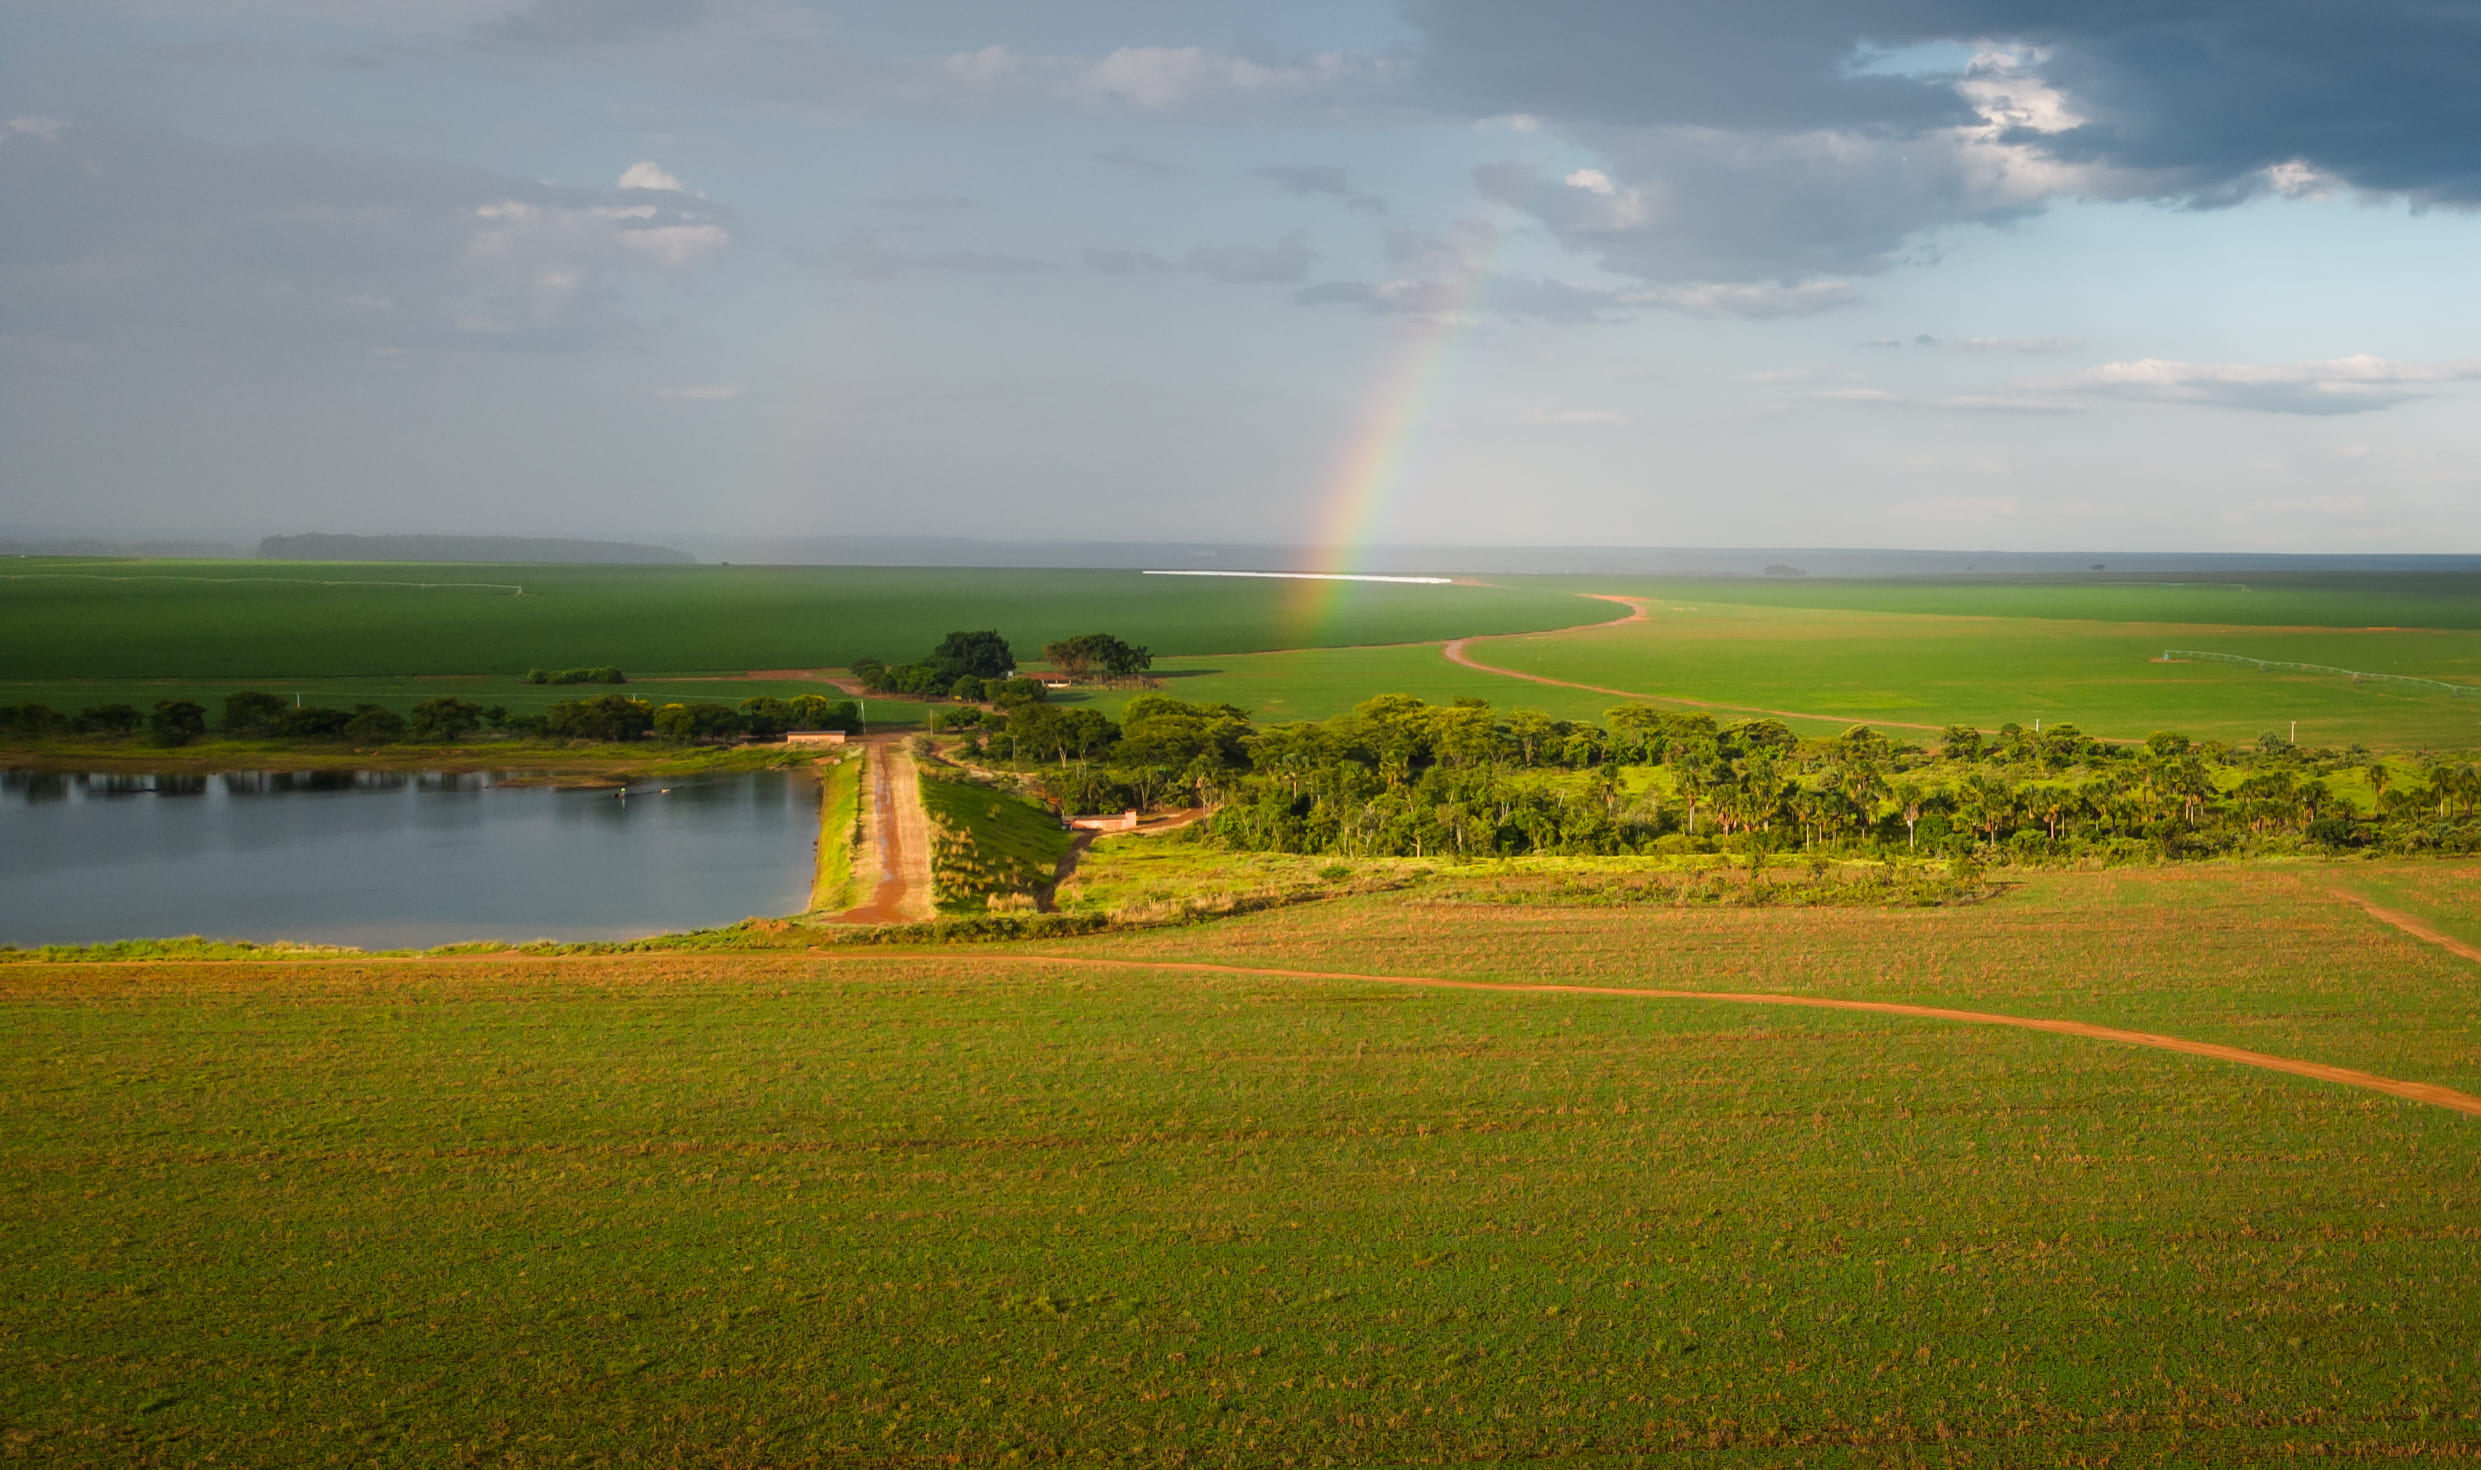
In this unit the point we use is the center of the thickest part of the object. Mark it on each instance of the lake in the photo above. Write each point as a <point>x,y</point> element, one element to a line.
<point>395,859</point>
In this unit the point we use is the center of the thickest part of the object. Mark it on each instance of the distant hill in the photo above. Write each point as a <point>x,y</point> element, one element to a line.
<point>467,548</point>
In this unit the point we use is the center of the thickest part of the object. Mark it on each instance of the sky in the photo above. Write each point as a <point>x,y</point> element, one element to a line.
<point>2009,274</point>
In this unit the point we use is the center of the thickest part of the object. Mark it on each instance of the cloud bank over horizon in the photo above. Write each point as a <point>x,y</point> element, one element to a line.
<point>1931,272</point>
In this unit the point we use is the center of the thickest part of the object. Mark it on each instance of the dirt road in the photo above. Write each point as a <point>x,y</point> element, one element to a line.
<point>2419,1092</point>
<point>895,836</point>
<point>2409,925</point>
<point>1455,652</point>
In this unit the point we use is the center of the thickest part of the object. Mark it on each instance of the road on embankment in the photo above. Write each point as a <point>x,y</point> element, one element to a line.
<point>895,838</point>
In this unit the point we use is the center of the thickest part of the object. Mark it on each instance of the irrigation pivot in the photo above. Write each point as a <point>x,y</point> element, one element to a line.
<point>2268,665</point>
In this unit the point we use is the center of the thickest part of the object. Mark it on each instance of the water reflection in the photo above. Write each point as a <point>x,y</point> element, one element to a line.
<point>394,858</point>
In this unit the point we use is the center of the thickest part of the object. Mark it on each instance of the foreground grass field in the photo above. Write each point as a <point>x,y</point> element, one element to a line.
<point>921,1208</point>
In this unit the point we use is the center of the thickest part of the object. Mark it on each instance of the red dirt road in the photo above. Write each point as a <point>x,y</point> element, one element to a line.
<point>896,833</point>
<point>2409,925</point>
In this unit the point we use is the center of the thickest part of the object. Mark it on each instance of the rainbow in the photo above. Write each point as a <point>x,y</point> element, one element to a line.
<point>1375,459</point>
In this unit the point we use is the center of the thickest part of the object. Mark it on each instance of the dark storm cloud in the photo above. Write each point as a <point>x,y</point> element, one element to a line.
<point>1796,138</point>
<point>2378,93</point>
<point>135,233</point>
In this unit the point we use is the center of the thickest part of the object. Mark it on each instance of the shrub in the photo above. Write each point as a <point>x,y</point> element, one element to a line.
<point>446,719</point>
<point>312,722</point>
<point>372,724</point>
<point>817,712</point>
<point>602,674</point>
<point>252,712</point>
<point>35,720</point>
<point>682,723</point>
<point>604,717</point>
<point>177,721</point>
<point>106,719</point>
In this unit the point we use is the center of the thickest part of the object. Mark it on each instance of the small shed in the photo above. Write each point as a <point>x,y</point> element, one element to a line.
<point>1125,822</point>
<point>814,737</point>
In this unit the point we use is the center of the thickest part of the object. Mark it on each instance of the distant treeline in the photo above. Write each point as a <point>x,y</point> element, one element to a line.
<point>1399,777</point>
<point>253,715</point>
<point>467,548</point>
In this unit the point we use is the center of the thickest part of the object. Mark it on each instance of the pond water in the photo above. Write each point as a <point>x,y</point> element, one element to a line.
<point>395,859</point>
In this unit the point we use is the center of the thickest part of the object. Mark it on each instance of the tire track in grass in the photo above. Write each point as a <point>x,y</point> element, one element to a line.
<point>2419,1092</point>
<point>2409,925</point>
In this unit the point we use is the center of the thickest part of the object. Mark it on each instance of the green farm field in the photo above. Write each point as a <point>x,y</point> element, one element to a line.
<point>1910,656</point>
<point>269,620</point>
<point>996,1205</point>
<point>1910,672</point>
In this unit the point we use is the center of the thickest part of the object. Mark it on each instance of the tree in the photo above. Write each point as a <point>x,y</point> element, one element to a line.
<point>177,721</point>
<point>312,722</point>
<point>818,712</point>
<point>1909,800</point>
<point>1088,652</point>
<point>373,724</point>
<point>1016,693</point>
<point>766,715</point>
<point>249,712</point>
<point>604,717</point>
<point>1960,743</point>
<point>107,719</point>
<point>445,718</point>
<point>683,723</point>
<point>1637,732</point>
<point>36,720</point>
<point>984,654</point>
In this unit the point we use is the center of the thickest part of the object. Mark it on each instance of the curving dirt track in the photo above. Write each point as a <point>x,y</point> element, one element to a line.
<point>898,833</point>
<point>2409,925</point>
<point>1455,651</point>
<point>2419,1092</point>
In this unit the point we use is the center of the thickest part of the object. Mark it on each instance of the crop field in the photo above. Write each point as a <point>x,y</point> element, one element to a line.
<point>1920,654</point>
<point>986,844</point>
<point>1911,673</point>
<point>267,620</point>
<point>988,1205</point>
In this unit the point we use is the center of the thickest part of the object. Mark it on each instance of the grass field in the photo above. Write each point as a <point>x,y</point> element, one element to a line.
<point>1919,654</point>
<point>839,824</point>
<point>916,1209</point>
<point>1911,673</point>
<point>987,843</point>
<point>268,620</point>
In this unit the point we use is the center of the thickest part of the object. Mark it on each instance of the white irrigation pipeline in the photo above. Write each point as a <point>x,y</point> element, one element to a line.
<point>1312,577</point>
<point>510,588</point>
<point>2355,675</point>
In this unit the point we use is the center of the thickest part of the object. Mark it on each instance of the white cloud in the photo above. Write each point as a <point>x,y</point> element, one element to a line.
<point>2019,344</point>
<point>1152,78</point>
<point>2343,385</point>
<point>1575,418</point>
<point>647,174</point>
<point>46,128</point>
<point>1737,298</point>
<point>1591,180</point>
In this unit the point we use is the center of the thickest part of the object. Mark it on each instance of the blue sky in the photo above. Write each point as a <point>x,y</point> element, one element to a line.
<point>1963,273</point>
